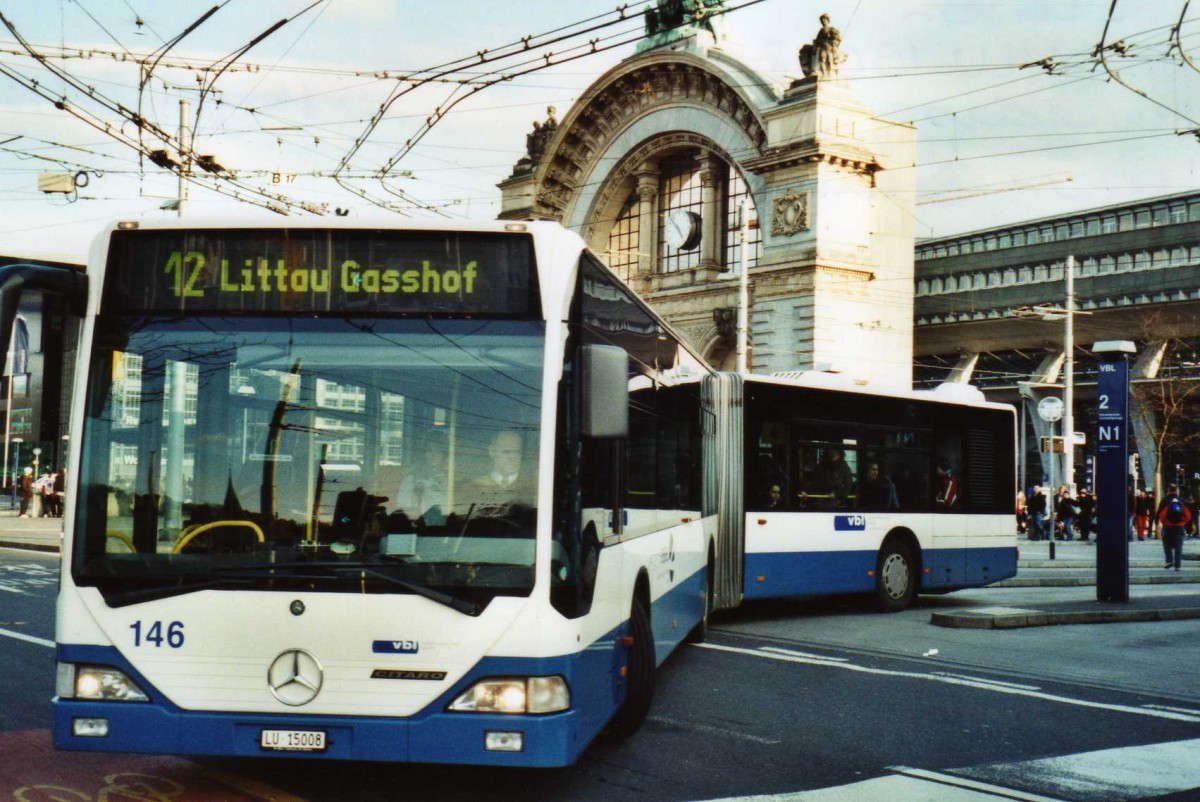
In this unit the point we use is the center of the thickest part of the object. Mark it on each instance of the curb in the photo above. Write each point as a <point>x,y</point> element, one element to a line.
<point>44,547</point>
<point>966,619</point>
<point>1083,581</point>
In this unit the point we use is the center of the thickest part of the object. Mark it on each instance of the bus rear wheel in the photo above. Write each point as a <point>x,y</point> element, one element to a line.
<point>895,577</point>
<point>639,687</point>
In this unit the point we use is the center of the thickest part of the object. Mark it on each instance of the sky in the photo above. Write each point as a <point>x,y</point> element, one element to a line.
<point>334,89</point>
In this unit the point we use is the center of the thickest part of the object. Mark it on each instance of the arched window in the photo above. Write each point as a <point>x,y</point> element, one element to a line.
<point>624,240</point>
<point>680,193</point>
<point>736,190</point>
<point>671,226</point>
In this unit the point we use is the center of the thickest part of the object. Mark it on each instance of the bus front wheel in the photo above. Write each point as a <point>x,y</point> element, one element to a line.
<point>895,577</point>
<point>639,688</point>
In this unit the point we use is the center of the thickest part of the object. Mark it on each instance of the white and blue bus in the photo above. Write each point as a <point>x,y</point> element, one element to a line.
<point>840,489</point>
<point>428,494</point>
<point>449,493</point>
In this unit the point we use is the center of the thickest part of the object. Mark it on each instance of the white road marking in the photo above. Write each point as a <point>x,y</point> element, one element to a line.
<point>1175,709</point>
<point>777,650</point>
<point>7,633</point>
<point>1018,685</point>
<point>1129,772</point>
<point>952,680</point>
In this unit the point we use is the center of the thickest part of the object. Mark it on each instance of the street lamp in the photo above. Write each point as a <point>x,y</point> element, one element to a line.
<point>1066,313</point>
<point>37,452</point>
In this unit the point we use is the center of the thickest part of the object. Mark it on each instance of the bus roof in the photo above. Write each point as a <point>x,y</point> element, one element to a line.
<point>315,222</point>
<point>960,394</point>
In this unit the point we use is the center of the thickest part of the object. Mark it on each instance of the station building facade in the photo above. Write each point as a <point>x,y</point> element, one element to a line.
<point>1136,278</point>
<point>652,165</point>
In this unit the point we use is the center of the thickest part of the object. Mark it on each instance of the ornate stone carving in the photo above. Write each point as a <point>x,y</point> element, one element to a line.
<point>725,321</point>
<point>789,213</point>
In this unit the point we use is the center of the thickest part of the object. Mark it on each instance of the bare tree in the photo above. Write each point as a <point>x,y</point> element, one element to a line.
<point>1166,396</point>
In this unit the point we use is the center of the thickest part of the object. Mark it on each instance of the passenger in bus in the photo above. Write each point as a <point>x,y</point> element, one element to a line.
<point>947,486</point>
<point>507,482</point>
<point>832,476</point>
<point>423,492</point>
<point>768,477</point>
<point>876,491</point>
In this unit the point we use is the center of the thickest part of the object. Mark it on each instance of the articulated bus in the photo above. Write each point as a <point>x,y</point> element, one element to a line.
<point>842,489</point>
<point>447,493</point>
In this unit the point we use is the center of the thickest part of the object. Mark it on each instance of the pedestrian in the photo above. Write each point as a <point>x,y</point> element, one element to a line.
<point>41,495</point>
<point>1037,514</point>
<point>1022,514</point>
<point>1087,509</point>
<point>1143,509</point>
<point>1064,513</point>
<point>1173,516</point>
<point>25,489</point>
<point>60,492</point>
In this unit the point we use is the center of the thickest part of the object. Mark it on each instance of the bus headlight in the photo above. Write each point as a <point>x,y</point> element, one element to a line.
<point>97,683</point>
<point>514,695</point>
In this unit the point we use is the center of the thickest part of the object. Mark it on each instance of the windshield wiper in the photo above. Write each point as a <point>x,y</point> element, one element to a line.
<point>338,567</point>
<point>127,597</point>
<point>453,602</point>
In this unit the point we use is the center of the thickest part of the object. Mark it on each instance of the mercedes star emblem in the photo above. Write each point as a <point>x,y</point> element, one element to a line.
<point>295,677</point>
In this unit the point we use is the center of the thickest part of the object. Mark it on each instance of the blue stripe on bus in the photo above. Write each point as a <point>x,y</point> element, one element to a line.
<point>429,736</point>
<point>796,574</point>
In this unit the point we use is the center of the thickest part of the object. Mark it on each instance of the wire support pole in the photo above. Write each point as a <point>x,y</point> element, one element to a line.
<point>743,310</point>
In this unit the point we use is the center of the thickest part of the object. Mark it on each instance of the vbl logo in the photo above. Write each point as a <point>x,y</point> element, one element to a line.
<point>850,523</point>
<point>395,647</point>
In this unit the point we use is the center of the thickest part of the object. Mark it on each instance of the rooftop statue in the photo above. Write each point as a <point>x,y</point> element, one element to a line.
<point>820,59</point>
<point>671,20</point>
<point>536,142</point>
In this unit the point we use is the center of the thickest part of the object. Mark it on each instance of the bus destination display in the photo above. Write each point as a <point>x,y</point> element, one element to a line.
<point>327,271</point>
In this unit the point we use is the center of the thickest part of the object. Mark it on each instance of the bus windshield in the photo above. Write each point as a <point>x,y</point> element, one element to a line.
<point>377,455</point>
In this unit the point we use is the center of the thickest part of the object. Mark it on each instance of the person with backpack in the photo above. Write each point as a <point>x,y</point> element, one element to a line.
<point>1173,516</point>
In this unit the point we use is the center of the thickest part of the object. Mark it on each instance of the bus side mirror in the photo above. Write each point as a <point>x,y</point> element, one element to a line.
<point>605,377</point>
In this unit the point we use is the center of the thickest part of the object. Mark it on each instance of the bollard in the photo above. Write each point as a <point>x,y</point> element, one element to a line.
<point>1051,548</point>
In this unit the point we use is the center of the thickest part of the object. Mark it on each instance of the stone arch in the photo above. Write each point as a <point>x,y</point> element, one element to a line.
<point>627,111</point>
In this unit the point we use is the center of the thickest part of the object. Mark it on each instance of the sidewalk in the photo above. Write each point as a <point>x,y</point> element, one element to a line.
<point>1074,566</point>
<point>32,534</point>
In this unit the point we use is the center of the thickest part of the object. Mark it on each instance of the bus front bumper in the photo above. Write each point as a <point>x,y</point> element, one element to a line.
<point>478,739</point>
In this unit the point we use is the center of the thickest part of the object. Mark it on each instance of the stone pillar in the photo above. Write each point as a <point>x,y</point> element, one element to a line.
<point>712,174</point>
<point>647,191</point>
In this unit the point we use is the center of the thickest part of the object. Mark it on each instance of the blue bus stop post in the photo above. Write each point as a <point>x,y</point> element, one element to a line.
<point>1112,460</point>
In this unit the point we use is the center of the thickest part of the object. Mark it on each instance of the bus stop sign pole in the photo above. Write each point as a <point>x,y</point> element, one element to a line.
<point>1112,450</point>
